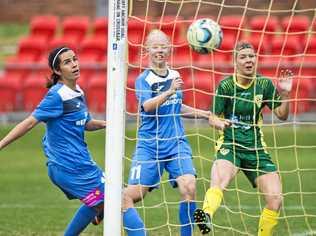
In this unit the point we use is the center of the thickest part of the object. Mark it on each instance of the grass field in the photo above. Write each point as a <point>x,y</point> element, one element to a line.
<point>31,205</point>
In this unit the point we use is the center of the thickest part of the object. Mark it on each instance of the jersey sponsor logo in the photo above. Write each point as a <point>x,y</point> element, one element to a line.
<point>224,151</point>
<point>258,100</point>
<point>172,100</point>
<point>81,122</point>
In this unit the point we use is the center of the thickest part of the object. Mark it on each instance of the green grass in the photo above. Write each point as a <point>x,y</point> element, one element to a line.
<point>31,205</point>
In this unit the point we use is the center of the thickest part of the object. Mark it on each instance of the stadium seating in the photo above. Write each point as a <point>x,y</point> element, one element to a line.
<point>279,47</point>
<point>96,93</point>
<point>198,92</point>
<point>263,26</point>
<point>131,101</point>
<point>172,26</point>
<point>296,27</point>
<point>233,26</point>
<point>8,91</point>
<point>33,91</point>
<point>93,50</point>
<point>29,50</point>
<point>43,27</point>
<point>75,27</point>
<point>100,27</point>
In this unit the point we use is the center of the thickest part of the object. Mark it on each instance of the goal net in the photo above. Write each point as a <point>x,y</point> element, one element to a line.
<point>283,34</point>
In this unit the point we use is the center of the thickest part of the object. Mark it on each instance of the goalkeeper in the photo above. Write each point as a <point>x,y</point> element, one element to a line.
<point>162,144</point>
<point>241,98</point>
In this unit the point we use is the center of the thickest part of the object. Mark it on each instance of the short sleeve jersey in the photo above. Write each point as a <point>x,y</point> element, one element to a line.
<point>161,131</point>
<point>65,113</point>
<point>243,106</point>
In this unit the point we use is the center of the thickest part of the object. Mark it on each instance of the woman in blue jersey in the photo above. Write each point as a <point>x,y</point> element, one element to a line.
<point>65,113</point>
<point>241,98</point>
<point>162,144</point>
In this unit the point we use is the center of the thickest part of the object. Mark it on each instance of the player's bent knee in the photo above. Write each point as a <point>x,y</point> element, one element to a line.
<point>275,202</point>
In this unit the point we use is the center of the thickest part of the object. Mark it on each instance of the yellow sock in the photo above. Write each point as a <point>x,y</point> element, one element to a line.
<point>212,200</point>
<point>268,220</point>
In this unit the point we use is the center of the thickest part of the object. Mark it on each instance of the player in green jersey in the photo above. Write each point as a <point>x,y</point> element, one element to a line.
<point>241,98</point>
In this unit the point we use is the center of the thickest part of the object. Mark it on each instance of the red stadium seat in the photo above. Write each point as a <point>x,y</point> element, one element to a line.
<point>100,27</point>
<point>131,101</point>
<point>232,26</point>
<point>198,92</point>
<point>301,95</point>
<point>182,55</point>
<point>34,90</point>
<point>93,50</point>
<point>29,50</point>
<point>170,25</point>
<point>263,26</point>
<point>8,91</point>
<point>137,30</point>
<point>285,48</point>
<point>44,27</point>
<point>58,42</point>
<point>296,27</point>
<point>75,27</point>
<point>96,93</point>
<point>134,53</point>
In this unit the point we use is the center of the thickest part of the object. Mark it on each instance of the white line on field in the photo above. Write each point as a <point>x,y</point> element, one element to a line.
<point>306,233</point>
<point>242,207</point>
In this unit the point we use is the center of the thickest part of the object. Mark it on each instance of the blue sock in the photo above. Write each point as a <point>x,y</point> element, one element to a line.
<point>81,219</point>
<point>186,211</point>
<point>133,224</point>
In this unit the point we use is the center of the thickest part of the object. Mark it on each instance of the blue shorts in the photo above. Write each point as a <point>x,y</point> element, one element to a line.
<point>147,169</point>
<point>87,186</point>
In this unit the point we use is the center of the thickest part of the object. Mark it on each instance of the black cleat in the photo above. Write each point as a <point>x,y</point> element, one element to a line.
<point>203,221</point>
<point>97,219</point>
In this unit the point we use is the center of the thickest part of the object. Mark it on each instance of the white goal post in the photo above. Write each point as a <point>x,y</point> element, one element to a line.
<point>115,115</point>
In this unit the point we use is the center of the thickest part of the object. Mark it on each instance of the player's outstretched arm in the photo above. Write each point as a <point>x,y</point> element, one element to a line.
<point>95,125</point>
<point>213,120</point>
<point>285,87</point>
<point>18,131</point>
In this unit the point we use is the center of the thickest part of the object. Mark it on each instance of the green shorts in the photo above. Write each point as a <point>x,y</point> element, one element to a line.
<point>252,163</point>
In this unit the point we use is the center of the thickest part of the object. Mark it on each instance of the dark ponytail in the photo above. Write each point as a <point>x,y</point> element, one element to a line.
<point>54,64</point>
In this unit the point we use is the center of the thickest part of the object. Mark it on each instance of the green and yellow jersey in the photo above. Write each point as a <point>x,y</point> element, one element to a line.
<point>243,106</point>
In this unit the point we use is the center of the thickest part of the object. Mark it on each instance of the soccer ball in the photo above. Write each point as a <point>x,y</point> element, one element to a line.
<point>204,35</point>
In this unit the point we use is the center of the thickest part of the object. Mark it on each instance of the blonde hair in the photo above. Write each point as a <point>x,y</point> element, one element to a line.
<point>153,34</point>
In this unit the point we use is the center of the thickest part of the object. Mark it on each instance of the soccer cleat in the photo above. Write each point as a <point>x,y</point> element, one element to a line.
<point>203,221</point>
<point>97,219</point>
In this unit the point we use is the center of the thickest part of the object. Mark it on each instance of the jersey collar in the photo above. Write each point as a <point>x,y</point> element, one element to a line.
<point>240,85</point>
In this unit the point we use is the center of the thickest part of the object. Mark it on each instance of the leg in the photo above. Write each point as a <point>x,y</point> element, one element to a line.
<point>270,185</point>
<point>186,184</point>
<point>223,171</point>
<point>80,221</point>
<point>133,224</point>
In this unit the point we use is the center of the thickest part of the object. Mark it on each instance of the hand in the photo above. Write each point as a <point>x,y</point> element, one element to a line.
<point>285,81</point>
<point>176,84</point>
<point>218,123</point>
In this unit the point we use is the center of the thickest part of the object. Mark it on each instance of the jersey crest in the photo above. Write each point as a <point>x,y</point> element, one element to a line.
<point>258,100</point>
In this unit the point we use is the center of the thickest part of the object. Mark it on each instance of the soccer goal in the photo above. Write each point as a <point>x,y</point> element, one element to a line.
<point>284,36</point>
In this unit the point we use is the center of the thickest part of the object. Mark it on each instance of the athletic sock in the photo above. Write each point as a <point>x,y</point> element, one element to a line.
<point>212,200</point>
<point>186,210</point>
<point>81,219</point>
<point>268,220</point>
<point>133,224</point>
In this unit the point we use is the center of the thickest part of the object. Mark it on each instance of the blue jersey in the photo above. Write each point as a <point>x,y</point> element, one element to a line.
<point>65,113</point>
<point>161,131</point>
